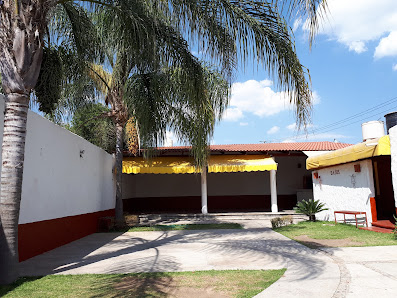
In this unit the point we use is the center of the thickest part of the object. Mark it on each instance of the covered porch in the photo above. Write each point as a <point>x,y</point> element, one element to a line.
<point>228,183</point>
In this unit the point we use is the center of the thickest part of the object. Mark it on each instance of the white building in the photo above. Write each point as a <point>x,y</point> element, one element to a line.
<point>355,178</point>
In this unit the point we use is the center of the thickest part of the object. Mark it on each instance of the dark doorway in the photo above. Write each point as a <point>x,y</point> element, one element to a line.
<point>384,197</point>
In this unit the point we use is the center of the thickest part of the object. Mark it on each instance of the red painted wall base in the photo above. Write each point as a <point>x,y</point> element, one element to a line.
<point>38,237</point>
<point>244,203</point>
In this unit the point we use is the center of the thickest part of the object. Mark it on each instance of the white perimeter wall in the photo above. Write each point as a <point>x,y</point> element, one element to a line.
<point>340,188</point>
<point>289,180</point>
<point>393,149</point>
<point>57,182</point>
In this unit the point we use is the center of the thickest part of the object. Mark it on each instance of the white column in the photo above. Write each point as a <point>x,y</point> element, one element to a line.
<point>204,208</point>
<point>393,149</point>
<point>273,190</point>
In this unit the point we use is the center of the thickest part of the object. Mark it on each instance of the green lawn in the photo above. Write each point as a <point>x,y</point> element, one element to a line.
<point>328,230</point>
<point>233,283</point>
<point>180,227</point>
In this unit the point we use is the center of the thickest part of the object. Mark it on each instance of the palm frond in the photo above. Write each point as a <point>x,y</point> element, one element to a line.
<point>70,26</point>
<point>101,78</point>
<point>314,11</point>
<point>172,99</point>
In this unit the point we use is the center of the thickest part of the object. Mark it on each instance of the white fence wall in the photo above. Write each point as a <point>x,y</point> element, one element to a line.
<point>57,181</point>
<point>341,188</point>
<point>393,148</point>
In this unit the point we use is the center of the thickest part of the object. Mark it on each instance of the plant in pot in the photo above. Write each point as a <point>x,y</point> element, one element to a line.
<point>310,208</point>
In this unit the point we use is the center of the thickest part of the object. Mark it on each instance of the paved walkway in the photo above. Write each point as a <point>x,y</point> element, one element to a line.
<point>310,273</point>
<point>371,271</point>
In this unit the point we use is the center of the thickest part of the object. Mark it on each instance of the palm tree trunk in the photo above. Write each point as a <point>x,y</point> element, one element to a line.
<point>120,221</point>
<point>13,151</point>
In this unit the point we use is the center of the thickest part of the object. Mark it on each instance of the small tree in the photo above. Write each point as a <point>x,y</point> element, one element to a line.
<point>88,123</point>
<point>310,208</point>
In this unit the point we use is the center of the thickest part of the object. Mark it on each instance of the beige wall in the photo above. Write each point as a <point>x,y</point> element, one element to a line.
<point>289,180</point>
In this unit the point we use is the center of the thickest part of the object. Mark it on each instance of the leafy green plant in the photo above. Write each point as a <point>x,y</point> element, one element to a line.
<point>395,227</point>
<point>310,208</point>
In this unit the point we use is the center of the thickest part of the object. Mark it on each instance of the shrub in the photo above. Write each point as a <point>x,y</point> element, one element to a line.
<point>281,221</point>
<point>395,227</point>
<point>310,208</point>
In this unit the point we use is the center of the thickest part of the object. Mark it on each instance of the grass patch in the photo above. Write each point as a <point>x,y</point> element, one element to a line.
<point>179,227</point>
<point>328,230</point>
<point>227,283</point>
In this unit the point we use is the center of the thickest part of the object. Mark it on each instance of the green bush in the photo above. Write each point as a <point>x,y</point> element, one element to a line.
<point>281,221</point>
<point>395,227</point>
<point>310,208</point>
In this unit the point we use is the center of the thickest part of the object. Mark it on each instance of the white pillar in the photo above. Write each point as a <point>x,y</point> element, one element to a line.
<point>204,208</point>
<point>273,190</point>
<point>393,149</point>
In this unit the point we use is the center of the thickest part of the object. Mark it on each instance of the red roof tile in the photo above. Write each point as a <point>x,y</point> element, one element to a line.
<point>299,146</point>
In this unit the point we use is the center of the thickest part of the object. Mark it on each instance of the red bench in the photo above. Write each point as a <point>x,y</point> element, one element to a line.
<point>355,213</point>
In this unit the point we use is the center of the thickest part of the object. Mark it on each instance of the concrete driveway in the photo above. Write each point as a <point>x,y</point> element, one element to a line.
<point>310,273</point>
<point>313,272</point>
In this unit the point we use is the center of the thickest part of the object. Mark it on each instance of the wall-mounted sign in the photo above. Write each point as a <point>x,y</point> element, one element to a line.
<point>335,172</point>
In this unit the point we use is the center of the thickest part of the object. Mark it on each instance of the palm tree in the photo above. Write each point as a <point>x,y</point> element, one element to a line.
<point>254,23</point>
<point>23,28</point>
<point>225,31</point>
<point>168,98</point>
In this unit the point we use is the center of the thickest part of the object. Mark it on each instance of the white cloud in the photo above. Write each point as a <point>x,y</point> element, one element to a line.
<point>358,47</point>
<point>297,24</point>
<point>356,22</point>
<point>170,139</point>
<point>395,67</point>
<point>387,46</point>
<point>273,130</point>
<point>258,98</point>
<point>243,123</point>
<point>316,137</point>
<point>316,98</point>
<point>292,126</point>
<point>288,141</point>
<point>232,114</point>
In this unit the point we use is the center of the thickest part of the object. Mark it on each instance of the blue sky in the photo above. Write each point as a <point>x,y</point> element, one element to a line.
<point>353,67</point>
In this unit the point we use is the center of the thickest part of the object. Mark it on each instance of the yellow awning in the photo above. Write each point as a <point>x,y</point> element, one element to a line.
<point>350,154</point>
<point>240,163</point>
<point>159,165</point>
<point>185,165</point>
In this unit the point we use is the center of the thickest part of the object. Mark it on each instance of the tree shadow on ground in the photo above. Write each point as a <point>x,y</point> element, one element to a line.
<point>254,248</point>
<point>134,285</point>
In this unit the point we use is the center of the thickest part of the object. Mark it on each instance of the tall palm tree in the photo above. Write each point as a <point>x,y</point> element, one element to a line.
<point>168,98</point>
<point>256,25</point>
<point>166,60</point>
<point>23,28</point>
<point>226,30</point>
